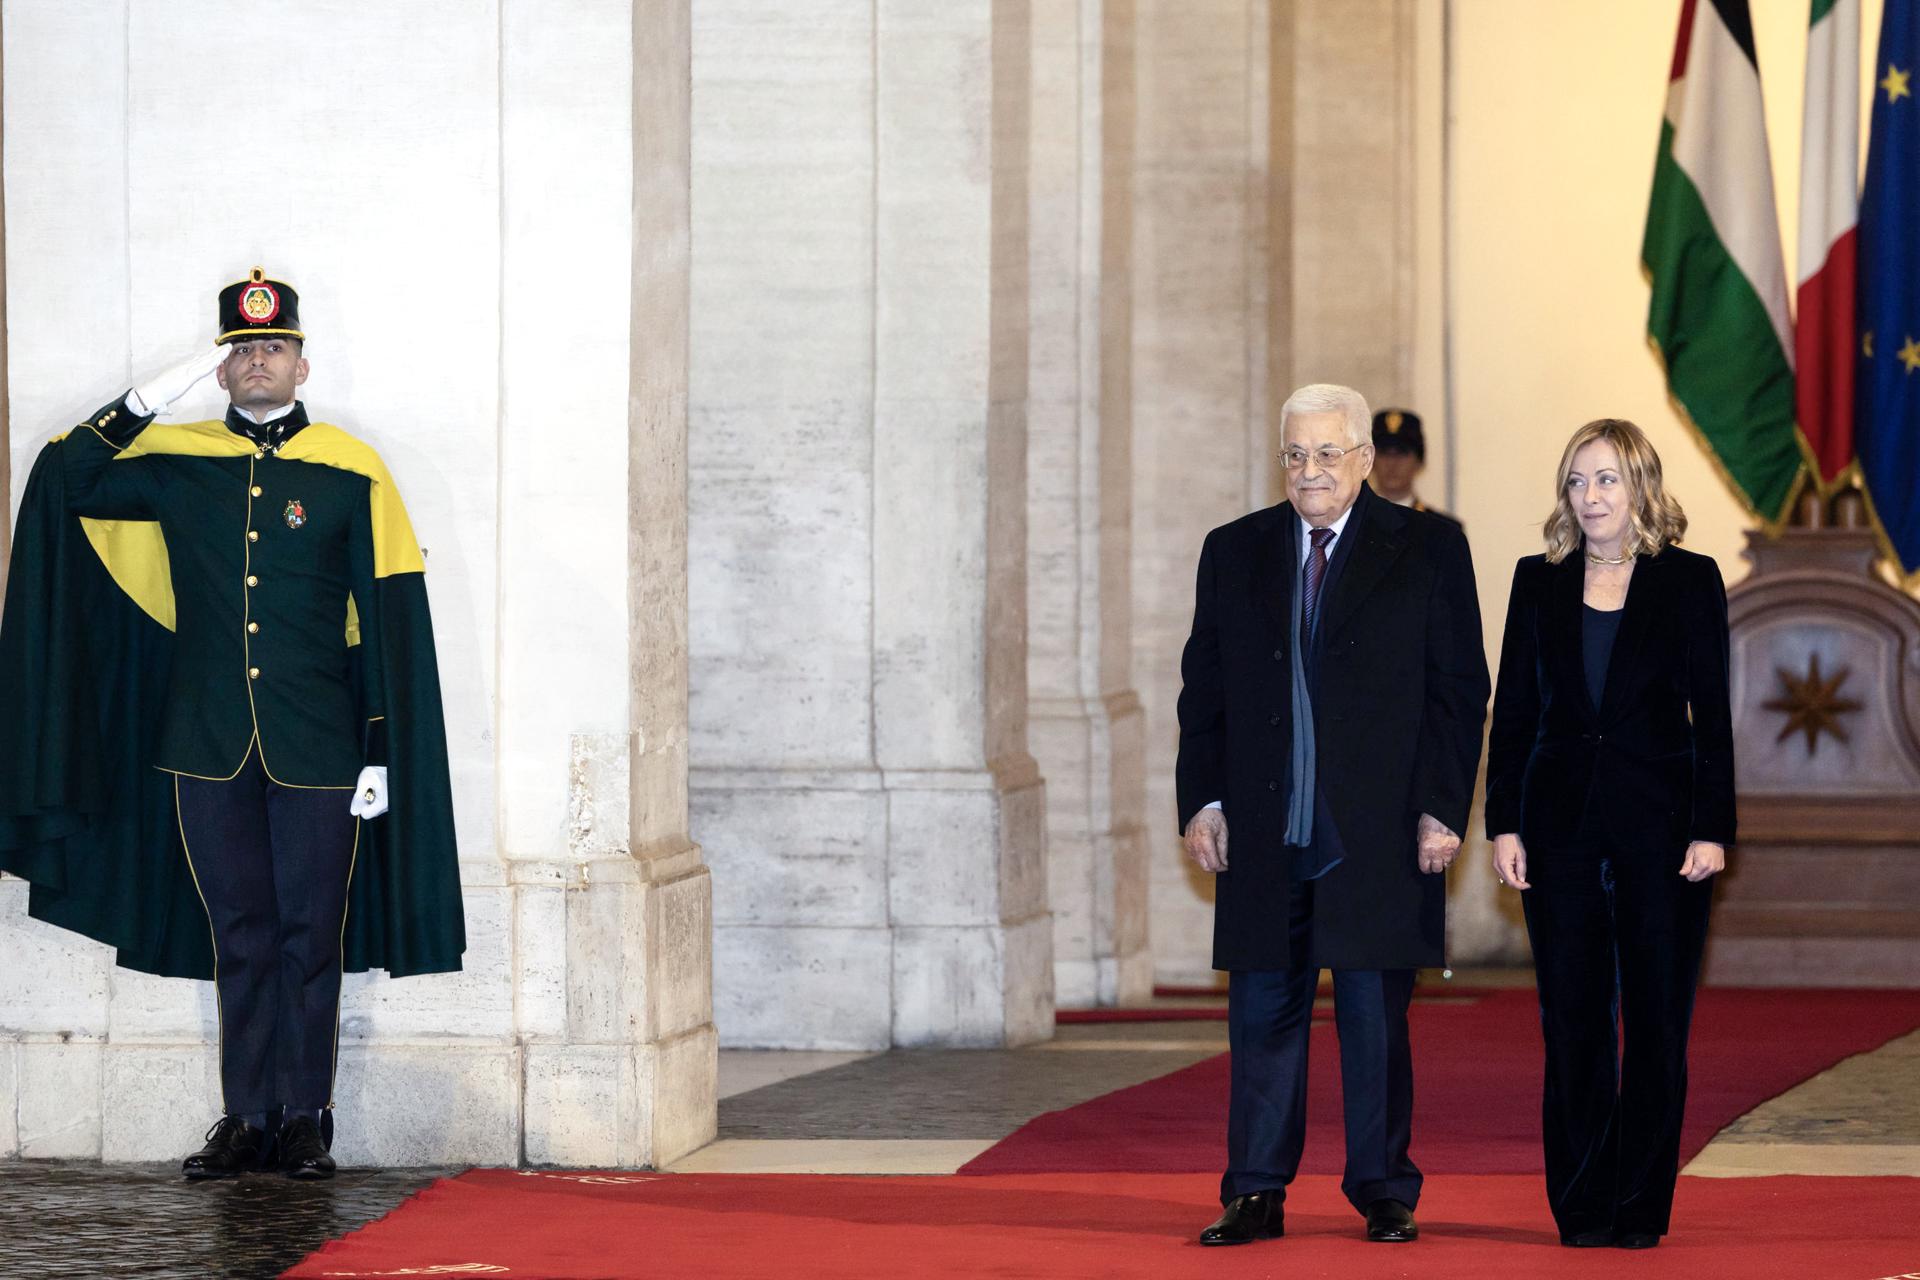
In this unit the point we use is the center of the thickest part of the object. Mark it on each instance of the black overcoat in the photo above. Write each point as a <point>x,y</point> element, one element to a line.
<point>1655,758</point>
<point>1399,706</point>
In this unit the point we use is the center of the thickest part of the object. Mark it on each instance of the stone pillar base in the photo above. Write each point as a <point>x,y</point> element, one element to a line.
<point>972,938</point>
<point>630,1080</point>
<point>614,1064</point>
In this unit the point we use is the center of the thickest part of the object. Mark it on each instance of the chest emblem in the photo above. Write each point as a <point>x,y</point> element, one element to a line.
<point>296,514</point>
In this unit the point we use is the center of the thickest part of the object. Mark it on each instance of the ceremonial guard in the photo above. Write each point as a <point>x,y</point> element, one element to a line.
<point>222,750</point>
<point>1399,456</point>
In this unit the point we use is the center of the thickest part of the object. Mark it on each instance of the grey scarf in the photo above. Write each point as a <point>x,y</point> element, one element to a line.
<point>1300,761</point>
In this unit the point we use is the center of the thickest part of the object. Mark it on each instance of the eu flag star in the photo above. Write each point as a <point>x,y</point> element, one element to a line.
<point>1910,354</point>
<point>1896,83</point>
<point>1866,344</point>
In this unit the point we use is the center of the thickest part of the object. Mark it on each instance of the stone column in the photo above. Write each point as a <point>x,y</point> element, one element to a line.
<point>612,997</point>
<point>972,952</point>
<point>1200,442</point>
<point>1351,173</point>
<point>786,794</point>
<point>1085,717</point>
<point>858,541</point>
<point>677,1055</point>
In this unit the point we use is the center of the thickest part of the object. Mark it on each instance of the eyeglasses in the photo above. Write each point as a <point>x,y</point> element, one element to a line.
<point>1326,455</point>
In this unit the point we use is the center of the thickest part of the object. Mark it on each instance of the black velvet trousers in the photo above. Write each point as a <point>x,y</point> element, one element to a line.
<point>1617,938</point>
<point>272,864</point>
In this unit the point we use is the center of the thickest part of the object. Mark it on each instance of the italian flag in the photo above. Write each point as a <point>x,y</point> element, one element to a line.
<point>1719,316</point>
<point>1829,210</point>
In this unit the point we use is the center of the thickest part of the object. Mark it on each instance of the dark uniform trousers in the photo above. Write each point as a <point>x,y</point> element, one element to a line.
<point>1617,940</point>
<point>1269,1021</point>
<point>272,863</point>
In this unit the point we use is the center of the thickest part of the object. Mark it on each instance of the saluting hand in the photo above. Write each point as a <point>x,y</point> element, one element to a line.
<point>158,392</point>
<point>1207,840</point>
<point>1438,845</point>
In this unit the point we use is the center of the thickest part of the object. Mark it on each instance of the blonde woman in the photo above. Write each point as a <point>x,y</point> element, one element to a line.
<point>1610,804</point>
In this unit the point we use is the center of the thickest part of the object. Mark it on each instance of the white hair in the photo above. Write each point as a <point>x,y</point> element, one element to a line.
<point>1331,397</point>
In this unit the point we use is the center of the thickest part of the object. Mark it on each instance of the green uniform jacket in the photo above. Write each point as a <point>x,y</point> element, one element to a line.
<point>171,604</point>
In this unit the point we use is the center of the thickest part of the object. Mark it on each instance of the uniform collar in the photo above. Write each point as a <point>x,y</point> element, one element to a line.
<point>273,429</point>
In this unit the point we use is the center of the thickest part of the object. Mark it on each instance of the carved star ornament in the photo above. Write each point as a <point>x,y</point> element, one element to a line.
<point>1812,704</point>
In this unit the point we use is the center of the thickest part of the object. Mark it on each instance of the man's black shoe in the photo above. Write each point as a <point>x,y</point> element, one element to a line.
<point>303,1152</point>
<point>233,1147</point>
<point>1390,1222</point>
<point>1257,1216</point>
<point>1636,1240</point>
<point>1600,1239</point>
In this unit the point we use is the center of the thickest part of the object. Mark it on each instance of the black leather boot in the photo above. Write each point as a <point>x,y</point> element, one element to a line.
<point>303,1152</point>
<point>233,1147</point>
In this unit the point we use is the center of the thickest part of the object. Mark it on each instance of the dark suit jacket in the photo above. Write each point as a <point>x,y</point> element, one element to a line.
<point>1655,758</point>
<point>1399,703</point>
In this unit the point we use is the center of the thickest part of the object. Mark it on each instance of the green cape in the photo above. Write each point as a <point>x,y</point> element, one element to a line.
<point>87,820</point>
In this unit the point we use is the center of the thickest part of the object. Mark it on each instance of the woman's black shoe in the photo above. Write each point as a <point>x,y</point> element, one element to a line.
<point>233,1147</point>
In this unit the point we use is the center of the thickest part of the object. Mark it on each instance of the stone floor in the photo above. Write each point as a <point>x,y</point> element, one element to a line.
<point>72,1220</point>
<point>1861,1117</point>
<point>910,1112</point>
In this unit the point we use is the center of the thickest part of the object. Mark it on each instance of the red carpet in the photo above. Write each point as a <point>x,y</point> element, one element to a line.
<point>1065,1016</point>
<point>1477,1067</point>
<point>1217,1011</point>
<point>1064,1227</point>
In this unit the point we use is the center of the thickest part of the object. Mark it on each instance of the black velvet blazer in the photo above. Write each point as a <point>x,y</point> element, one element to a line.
<point>1655,758</point>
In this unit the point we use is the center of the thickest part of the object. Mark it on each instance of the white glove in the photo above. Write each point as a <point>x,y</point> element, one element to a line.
<point>370,793</point>
<point>158,392</point>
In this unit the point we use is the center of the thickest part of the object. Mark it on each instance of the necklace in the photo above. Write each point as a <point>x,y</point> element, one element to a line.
<point>1604,560</point>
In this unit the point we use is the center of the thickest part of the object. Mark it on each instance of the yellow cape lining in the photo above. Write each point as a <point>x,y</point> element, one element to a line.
<point>135,553</point>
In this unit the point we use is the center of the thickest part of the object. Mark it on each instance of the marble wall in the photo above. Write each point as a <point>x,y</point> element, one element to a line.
<point>464,323</point>
<point>858,543</point>
<point>1278,177</point>
<point>1199,359</point>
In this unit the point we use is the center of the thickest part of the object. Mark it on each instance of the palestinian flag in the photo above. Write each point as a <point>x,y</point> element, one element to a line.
<point>1712,254</point>
<point>1829,209</point>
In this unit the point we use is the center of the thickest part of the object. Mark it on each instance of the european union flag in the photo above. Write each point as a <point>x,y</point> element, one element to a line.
<point>1887,421</point>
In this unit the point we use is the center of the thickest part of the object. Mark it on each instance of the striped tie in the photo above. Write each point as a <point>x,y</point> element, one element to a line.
<point>1315,575</point>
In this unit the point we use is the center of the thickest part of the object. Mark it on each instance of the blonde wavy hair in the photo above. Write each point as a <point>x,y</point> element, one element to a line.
<point>1653,518</point>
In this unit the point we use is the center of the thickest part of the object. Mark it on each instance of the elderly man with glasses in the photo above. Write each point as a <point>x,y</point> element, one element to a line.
<point>1334,691</point>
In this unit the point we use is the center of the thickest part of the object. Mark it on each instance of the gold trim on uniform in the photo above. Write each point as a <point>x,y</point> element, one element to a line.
<point>353,860</point>
<point>213,938</point>
<point>231,334</point>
